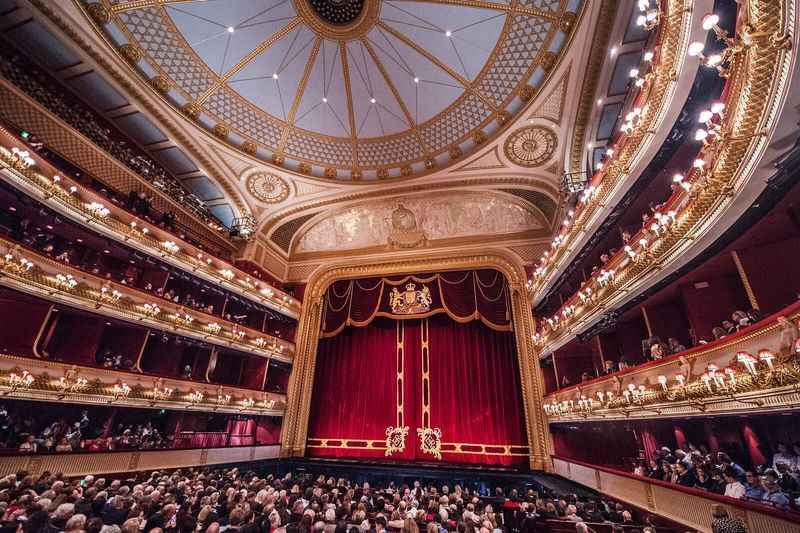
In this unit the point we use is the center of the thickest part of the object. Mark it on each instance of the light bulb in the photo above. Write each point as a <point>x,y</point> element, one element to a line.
<point>696,48</point>
<point>709,21</point>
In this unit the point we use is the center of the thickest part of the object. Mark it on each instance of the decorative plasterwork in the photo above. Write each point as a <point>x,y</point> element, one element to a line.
<point>267,188</point>
<point>531,146</point>
<point>489,160</point>
<point>123,227</point>
<point>552,107</point>
<point>459,214</point>
<point>87,385</point>
<point>523,47</point>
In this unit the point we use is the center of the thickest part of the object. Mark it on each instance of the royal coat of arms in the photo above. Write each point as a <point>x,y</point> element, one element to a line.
<point>410,302</point>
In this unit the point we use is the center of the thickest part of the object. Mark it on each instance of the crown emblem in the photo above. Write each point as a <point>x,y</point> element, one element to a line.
<point>411,286</point>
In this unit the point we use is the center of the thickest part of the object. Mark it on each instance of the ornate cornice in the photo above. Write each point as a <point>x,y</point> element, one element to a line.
<point>752,371</point>
<point>148,391</point>
<point>653,101</point>
<point>757,79</point>
<point>131,231</point>
<point>26,271</point>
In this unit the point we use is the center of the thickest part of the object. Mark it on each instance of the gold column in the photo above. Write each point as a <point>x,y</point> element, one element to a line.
<point>751,296</point>
<point>301,380</point>
<point>539,439</point>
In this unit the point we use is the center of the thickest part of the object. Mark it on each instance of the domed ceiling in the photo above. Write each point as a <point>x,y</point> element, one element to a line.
<point>345,89</point>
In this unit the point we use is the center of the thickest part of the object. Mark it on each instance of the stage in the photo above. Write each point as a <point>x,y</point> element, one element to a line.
<point>483,478</point>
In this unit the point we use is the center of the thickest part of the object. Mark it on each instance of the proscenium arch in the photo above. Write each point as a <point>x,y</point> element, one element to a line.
<point>301,382</point>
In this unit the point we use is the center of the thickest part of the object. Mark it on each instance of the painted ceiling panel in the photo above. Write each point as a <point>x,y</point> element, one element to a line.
<point>408,62</point>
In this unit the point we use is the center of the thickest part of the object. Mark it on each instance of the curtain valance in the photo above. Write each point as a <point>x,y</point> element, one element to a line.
<point>463,295</point>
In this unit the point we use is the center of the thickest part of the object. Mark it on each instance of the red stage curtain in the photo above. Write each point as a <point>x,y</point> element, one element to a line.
<point>476,397</point>
<point>473,392</point>
<point>463,296</point>
<point>354,382</point>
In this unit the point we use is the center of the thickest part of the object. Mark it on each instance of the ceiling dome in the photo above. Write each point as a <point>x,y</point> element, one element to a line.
<point>349,88</point>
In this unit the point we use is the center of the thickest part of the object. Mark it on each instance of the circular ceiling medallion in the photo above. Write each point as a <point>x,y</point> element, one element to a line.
<point>531,146</point>
<point>339,20</point>
<point>267,188</point>
<point>338,11</point>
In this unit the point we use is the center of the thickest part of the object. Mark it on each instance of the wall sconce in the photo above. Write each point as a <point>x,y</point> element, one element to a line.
<point>66,282</point>
<point>21,381</point>
<point>120,390</point>
<point>151,310</point>
<point>195,397</point>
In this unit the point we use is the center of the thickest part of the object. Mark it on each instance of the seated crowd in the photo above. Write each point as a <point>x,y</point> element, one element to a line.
<point>38,432</point>
<point>776,484</point>
<point>653,348</point>
<point>73,251</point>
<point>214,500</point>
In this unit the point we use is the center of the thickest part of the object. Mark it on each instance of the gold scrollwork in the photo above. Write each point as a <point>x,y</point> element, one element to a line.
<point>396,439</point>
<point>430,441</point>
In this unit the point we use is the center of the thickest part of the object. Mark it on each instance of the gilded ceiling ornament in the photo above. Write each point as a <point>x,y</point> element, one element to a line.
<point>99,13</point>
<point>356,174</point>
<point>530,146</point>
<point>479,137</point>
<point>131,53</point>
<point>503,117</point>
<point>249,147</point>
<point>405,170</point>
<point>267,188</point>
<point>526,93</point>
<point>430,163</point>
<point>455,152</point>
<point>514,48</point>
<point>160,84</point>
<point>221,130</point>
<point>330,172</point>
<point>567,21</point>
<point>339,20</point>
<point>304,168</point>
<point>548,61</point>
<point>192,110</point>
<point>278,160</point>
<point>383,173</point>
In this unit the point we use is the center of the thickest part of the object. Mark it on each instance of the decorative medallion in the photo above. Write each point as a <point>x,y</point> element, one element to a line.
<point>383,173</point>
<point>221,130</point>
<point>530,146</point>
<point>160,84</point>
<point>249,147</point>
<point>99,13</point>
<point>526,93</point>
<point>455,152</point>
<point>267,188</point>
<point>330,172</point>
<point>340,20</point>
<point>338,11</point>
<point>430,441</point>
<point>192,110</point>
<point>411,301</point>
<point>304,168</point>
<point>131,53</point>
<point>405,233</point>
<point>396,439</point>
<point>479,137</point>
<point>278,160</point>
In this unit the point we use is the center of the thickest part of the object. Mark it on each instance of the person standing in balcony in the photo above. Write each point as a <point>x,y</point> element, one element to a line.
<point>783,455</point>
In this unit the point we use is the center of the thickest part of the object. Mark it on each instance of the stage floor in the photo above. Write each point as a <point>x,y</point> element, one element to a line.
<point>483,478</point>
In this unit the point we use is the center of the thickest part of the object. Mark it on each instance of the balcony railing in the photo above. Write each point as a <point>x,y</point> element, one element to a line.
<point>81,464</point>
<point>688,506</point>
<point>44,380</point>
<point>27,271</point>
<point>69,198</point>
<point>754,369</point>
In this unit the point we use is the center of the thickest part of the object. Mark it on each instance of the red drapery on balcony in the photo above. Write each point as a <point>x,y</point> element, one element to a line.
<point>457,374</point>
